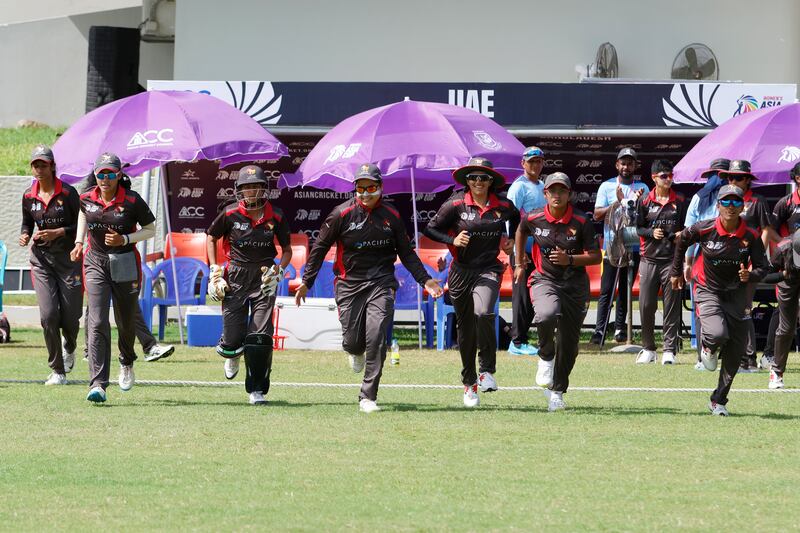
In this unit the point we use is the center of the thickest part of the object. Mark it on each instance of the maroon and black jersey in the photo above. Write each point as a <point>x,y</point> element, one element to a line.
<point>721,254</point>
<point>123,214</point>
<point>61,211</point>
<point>572,233</point>
<point>782,261</point>
<point>251,242</point>
<point>786,215</point>
<point>756,211</point>
<point>652,214</point>
<point>368,241</point>
<point>486,226</point>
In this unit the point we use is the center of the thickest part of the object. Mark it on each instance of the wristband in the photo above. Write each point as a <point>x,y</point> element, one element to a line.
<point>571,260</point>
<point>127,240</point>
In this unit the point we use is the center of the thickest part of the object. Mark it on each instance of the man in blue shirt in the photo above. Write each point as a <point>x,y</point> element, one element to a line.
<point>623,188</point>
<point>527,194</point>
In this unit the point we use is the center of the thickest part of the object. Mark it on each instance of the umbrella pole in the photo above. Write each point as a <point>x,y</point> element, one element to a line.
<point>146,195</point>
<point>416,240</point>
<point>171,253</point>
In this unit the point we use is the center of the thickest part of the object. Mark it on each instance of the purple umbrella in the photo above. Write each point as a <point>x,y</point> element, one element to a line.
<point>768,138</point>
<point>152,128</point>
<point>415,144</point>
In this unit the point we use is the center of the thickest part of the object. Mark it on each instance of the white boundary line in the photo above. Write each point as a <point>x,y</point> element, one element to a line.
<point>182,383</point>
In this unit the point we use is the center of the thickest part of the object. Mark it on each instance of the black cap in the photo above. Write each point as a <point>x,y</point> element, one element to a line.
<point>249,175</point>
<point>738,167</point>
<point>716,166</point>
<point>795,170</point>
<point>368,171</point>
<point>479,164</point>
<point>627,152</point>
<point>730,190</point>
<point>107,161</point>
<point>557,178</point>
<point>42,153</point>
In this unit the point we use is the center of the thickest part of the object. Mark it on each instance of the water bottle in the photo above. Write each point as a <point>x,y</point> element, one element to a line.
<point>395,349</point>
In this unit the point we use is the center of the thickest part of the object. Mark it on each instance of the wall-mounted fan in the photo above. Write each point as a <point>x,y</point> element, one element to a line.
<point>605,64</point>
<point>695,61</point>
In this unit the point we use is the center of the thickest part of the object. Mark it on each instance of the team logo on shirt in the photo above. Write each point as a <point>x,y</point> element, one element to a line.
<point>353,225</point>
<point>497,214</point>
<point>714,245</point>
<point>92,208</point>
<point>36,206</point>
<point>539,232</point>
<point>572,234</point>
<point>270,225</point>
<point>243,226</point>
<point>467,216</point>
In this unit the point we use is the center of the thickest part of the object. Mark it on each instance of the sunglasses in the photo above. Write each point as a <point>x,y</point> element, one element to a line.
<point>479,177</point>
<point>735,177</point>
<point>663,176</point>
<point>730,202</point>
<point>106,175</point>
<point>369,188</point>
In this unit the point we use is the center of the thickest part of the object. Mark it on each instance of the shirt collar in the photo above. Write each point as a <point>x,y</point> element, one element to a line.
<point>748,196</point>
<point>672,197</point>
<point>119,197</point>
<point>57,188</point>
<point>267,215</point>
<point>563,220</point>
<point>739,233</point>
<point>492,202</point>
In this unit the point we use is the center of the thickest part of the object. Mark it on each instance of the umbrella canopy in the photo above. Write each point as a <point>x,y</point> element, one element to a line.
<point>768,138</point>
<point>152,128</point>
<point>425,140</point>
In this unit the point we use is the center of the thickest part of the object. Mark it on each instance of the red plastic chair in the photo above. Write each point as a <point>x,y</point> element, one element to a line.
<point>277,340</point>
<point>595,273</point>
<point>430,251</point>
<point>299,243</point>
<point>186,245</point>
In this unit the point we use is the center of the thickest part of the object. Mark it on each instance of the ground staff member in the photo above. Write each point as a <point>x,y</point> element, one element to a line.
<point>659,218</point>
<point>473,223</point>
<point>249,282</point>
<point>786,260</point>
<point>369,235</point>
<point>527,194</point>
<point>623,188</point>
<point>757,215</point>
<point>565,243</point>
<point>111,213</point>
<point>721,274</point>
<point>52,207</point>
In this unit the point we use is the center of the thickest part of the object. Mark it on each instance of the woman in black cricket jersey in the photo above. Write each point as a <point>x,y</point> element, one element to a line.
<point>51,207</point>
<point>475,224</point>
<point>731,256</point>
<point>248,284</point>
<point>369,236</point>
<point>114,218</point>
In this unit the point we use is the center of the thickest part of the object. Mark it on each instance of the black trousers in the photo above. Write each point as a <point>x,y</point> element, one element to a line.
<point>607,292</point>
<point>521,307</point>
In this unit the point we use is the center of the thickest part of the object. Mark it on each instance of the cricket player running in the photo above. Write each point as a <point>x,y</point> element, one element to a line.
<point>565,243</point>
<point>731,255</point>
<point>472,223</point>
<point>52,207</point>
<point>369,235</point>
<point>248,284</point>
<point>111,213</point>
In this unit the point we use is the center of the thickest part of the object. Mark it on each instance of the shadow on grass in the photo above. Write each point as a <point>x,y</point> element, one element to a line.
<point>166,402</point>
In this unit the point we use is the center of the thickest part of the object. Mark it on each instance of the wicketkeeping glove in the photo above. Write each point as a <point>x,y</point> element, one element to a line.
<point>217,286</point>
<point>270,278</point>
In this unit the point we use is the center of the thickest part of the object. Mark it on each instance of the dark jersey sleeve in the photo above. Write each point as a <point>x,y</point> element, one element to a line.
<point>762,215</point>
<point>781,212</point>
<point>687,237</point>
<point>589,236</point>
<point>328,235</point>
<point>283,233</point>
<point>219,227</point>
<point>27,220</point>
<point>439,226</point>
<point>513,221</point>
<point>758,260</point>
<point>643,228</point>
<point>143,214</point>
<point>406,252</point>
<point>74,206</point>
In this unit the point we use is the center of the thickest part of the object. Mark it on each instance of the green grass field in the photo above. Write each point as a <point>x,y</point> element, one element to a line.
<point>16,145</point>
<point>167,458</point>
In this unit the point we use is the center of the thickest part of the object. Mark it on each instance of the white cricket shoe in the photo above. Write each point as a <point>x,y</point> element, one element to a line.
<point>257,398</point>
<point>668,358</point>
<point>544,372</point>
<point>56,379</point>
<point>231,367</point>
<point>709,359</point>
<point>646,356</point>
<point>471,398</point>
<point>555,400</point>
<point>486,382</point>
<point>717,409</point>
<point>365,405</point>
<point>69,357</point>
<point>357,362</point>
<point>159,351</point>
<point>126,377</point>
<point>775,380</point>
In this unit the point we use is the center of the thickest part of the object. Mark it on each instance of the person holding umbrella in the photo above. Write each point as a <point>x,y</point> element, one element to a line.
<point>731,255</point>
<point>248,284</point>
<point>473,223</point>
<point>51,207</point>
<point>369,235</point>
<point>565,244</point>
<point>111,214</point>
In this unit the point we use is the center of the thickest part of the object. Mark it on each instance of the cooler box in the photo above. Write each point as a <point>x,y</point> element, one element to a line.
<point>313,326</point>
<point>203,325</point>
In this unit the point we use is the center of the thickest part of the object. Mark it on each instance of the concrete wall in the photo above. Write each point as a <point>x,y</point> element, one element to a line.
<point>474,40</point>
<point>44,65</point>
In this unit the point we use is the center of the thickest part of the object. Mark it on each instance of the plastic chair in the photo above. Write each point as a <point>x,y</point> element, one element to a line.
<point>406,298</point>
<point>146,296</point>
<point>445,319</point>
<point>188,269</point>
<point>3,263</point>
<point>277,340</point>
<point>180,244</point>
<point>289,273</point>
<point>507,283</point>
<point>299,243</point>
<point>323,285</point>
<point>430,251</point>
<point>222,252</point>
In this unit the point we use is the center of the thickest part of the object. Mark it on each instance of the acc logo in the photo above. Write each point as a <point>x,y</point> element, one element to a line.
<point>554,163</point>
<point>429,214</point>
<point>340,151</point>
<point>192,212</point>
<point>225,192</point>
<point>148,138</point>
<point>589,179</point>
<point>486,140</point>
<point>789,154</point>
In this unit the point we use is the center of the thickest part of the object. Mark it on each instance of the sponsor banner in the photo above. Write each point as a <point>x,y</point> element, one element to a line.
<point>597,105</point>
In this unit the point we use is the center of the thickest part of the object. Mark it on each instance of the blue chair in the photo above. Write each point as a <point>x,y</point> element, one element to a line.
<point>406,298</point>
<point>3,263</point>
<point>323,285</point>
<point>146,296</point>
<point>445,320</point>
<point>283,286</point>
<point>188,269</point>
